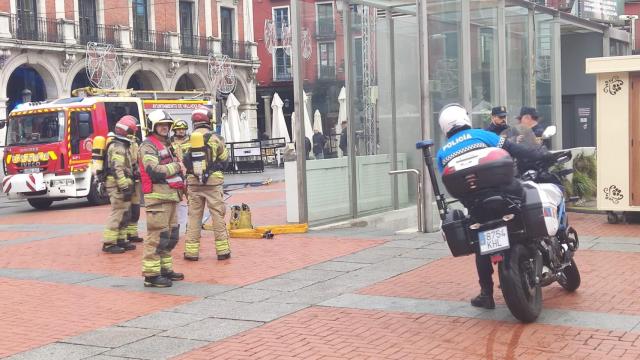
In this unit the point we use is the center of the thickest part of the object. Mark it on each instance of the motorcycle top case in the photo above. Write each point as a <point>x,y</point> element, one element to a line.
<point>461,240</point>
<point>478,170</point>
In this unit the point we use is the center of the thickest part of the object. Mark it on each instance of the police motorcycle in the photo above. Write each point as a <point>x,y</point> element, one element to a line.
<point>509,218</point>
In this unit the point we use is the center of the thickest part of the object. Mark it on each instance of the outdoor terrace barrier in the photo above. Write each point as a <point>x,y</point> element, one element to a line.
<point>25,27</point>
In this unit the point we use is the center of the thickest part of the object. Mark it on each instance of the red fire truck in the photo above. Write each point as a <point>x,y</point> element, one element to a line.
<point>47,154</point>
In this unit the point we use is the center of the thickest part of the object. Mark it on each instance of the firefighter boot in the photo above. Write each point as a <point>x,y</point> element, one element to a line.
<point>244,219</point>
<point>190,257</point>
<point>234,220</point>
<point>223,250</point>
<point>157,281</point>
<point>126,245</point>
<point>112,249</point>
<point>135,238</point>
<point>484,300</point>
<point>172,275</point>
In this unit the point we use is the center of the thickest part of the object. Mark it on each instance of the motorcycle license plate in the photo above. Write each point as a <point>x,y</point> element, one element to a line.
<point>493,240</point>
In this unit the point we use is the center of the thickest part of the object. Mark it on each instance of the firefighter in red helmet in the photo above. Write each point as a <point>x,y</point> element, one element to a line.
<point>120,186</point>
<point>205,160</point>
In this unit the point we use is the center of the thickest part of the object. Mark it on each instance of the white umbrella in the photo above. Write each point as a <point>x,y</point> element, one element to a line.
<point>226,129</point>
<point>342,110</point>
<point>245,133</point>
<point>279,127</point>
<point>308,130</point>
<point>234,117</point>
<point>317,121</point>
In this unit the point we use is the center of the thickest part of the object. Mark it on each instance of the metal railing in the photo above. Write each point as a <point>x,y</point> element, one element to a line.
<point>26,27</point>
<point>240,50</point>
<point>149,40</point>
<point>105,34</point>
<point>282,75</point>
<point>194,45</point>
<point>419,193</point>
<point>327,72</point>
<point>326,28</point>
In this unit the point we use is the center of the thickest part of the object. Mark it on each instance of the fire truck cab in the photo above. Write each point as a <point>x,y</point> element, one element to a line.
<point>47,155</point>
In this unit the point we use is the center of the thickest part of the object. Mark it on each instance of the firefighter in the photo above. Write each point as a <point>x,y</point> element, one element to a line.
<point>132,229</point>
<point>120,186</point>
<point>180,138</point>
<point>161,180</point>
<point>205,180</point>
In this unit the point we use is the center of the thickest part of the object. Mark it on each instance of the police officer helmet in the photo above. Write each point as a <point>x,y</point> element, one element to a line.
<point>453,116</point>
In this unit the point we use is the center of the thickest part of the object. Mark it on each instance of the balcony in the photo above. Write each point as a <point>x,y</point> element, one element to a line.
<point>326,29</point>
<point>35,29</point>
<point>327,72</point>
<point>149,40</point>
<point>194,45</point>
<point>104,34</point>
<point>240,50</point>
<point>281,75</point>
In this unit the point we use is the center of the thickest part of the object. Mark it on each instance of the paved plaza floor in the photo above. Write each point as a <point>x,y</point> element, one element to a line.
<point>354,293</point>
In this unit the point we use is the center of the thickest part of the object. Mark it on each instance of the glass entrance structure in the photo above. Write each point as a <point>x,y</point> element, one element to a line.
<point>371,76</point>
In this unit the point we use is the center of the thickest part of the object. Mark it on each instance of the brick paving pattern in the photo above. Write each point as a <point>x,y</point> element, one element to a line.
<point>35,313</point>
<point>326,333</point>
<point>596,225</point>
<point>455,279</point>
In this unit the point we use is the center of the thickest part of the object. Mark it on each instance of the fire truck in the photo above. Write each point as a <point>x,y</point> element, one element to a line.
<point>47,154</point>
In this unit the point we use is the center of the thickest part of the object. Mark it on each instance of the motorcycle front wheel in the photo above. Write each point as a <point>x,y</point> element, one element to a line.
<point>517,279</point>
<point>570,277</point>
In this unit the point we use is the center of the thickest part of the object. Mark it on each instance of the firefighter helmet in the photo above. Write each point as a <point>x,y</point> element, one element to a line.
<point>126,127</point>
<point>202,116</point>
<point>180,125</point>
<point>158,117</point>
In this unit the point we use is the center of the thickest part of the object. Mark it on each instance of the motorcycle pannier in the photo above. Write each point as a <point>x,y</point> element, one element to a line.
<point>532,213</point>
<point>478,170</point>
<point>460,239</point>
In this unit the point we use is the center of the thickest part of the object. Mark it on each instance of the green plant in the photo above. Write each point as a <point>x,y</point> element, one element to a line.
<point>586,165</point>
<point>583,185</point>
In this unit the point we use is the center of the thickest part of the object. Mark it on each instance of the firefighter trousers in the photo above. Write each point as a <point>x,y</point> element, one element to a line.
<point>116,227</point>
<point>212,196</point>
<point>132,227</point>
<point>162,236</point>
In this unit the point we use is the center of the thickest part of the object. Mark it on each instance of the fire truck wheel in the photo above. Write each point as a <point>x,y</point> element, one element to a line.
<point>97,195</point>
<point>40,204</point>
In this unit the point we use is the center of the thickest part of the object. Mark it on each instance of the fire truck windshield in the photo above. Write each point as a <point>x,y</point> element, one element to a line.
<point>35,128</point>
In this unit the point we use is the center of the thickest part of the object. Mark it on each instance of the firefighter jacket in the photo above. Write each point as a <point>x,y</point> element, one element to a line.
<point>159,171</point>
<point>133,149</point>
<point>119,165</point>
<point>217,157</point>
<point>180,146</point>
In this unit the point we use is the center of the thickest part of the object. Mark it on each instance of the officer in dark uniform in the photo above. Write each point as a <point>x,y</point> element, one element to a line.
<point>529,118</point>
<point>498,120</point>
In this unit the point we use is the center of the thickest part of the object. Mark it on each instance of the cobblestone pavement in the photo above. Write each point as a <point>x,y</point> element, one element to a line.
<point>355,293</point>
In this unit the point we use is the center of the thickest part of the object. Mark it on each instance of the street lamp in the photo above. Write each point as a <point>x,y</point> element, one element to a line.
<point>632,19</point>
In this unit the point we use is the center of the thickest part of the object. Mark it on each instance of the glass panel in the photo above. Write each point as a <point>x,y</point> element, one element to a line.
<point>325,18</point>
<point>543,66</point>
<point>484,61</point>
<point>517,25</point>
<point>280,19</point>
<point>445,67</point>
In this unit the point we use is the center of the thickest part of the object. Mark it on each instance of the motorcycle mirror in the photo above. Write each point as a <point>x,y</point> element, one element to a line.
<point>549,131</point>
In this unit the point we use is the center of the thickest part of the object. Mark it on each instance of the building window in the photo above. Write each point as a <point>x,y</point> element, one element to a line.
<point>140,23</point>
<point>280,19</point>
<point>327,60</point>
<point>27,12</point>
<point>87,21</point>
<point>324,18</point>
<point>187,41</point>
<point>226,31</point>
<point>282,65</point>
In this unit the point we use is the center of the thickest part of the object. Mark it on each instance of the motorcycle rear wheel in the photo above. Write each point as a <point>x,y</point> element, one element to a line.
<point>517,280</point>
<point>570,278</point>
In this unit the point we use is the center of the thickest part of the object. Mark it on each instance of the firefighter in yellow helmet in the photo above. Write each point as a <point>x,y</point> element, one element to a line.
<point>160,174</point>
<point>180,138</point>
<point>205,160</point>
<point>120,186</point>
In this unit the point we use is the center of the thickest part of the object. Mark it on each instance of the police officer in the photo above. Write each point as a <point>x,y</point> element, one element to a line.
<point>180,138</point>
<point>132,229</point>
<point>160,174</point>
<point>120,186</point>
<point>529,118</point>
<point>455,123</point>
<point>206,187</point>
<point>498,120</point>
